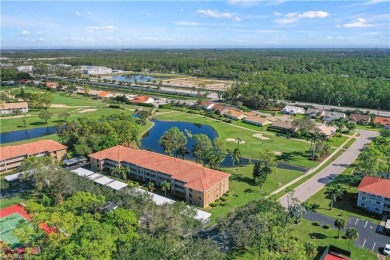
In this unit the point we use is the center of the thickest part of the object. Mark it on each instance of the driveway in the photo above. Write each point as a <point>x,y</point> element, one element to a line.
<point>368,238</point>
<point>317,182</point>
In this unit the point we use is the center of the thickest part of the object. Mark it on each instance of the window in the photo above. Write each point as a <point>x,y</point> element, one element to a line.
<point>362,204</point>
<point>199,198</point>
<point>376,209</point>
<point>364,198</point>
<point>378,202</point>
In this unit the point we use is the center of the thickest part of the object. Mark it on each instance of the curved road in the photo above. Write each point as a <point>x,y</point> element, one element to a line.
<point>317,182</point>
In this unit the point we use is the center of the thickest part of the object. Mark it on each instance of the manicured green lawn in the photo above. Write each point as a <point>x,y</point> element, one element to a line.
<point>10,201</point>
<point>368,127</point>
<point>306,231</point>
<point>294,152</point>
<point>244,190</point>
<point>345,206</point>
<point>337,140</point>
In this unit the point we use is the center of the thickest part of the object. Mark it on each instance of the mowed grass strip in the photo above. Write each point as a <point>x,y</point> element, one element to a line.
<point>243,189</point>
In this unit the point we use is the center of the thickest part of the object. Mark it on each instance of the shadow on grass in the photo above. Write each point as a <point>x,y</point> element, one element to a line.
<point>38,123</point>
<point>249,191</point>
<point>318,236</point>
<point>237,177</point>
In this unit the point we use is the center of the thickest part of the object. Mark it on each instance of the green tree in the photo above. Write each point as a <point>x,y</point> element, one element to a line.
<point>64,116</point>
<point>296,212</point>
<point>236,156</point>
<point>351,234</point>
<point>369,161</point>
<point>45,115</point>
<point>150,186</point>
<point>126,222</point>
<point>200,147</point>
<point>256,171</point>
<point>24,123</point>
<point>310,249</point>
<point>334,192</point>
<point>172,141</point>
<point>340,224</point>
<point>165,186</point>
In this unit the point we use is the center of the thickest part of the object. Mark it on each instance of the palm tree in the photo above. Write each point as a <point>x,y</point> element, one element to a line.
<point>340,224</point>
<point>150,186</point>
<point>310,249</point>
<point>334,192</point>
<point>236,156</point>
<point>314,137</point>
<point>351,233</point>
<point>165,186</point>
<point>238,140</point>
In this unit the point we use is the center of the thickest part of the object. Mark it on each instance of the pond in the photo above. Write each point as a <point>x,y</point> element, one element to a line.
<point>21,135</point>
<point>137,77</point>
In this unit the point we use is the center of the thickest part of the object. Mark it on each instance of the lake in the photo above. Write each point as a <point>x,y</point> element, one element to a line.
<point>138,77</point>
<point>21,135</point>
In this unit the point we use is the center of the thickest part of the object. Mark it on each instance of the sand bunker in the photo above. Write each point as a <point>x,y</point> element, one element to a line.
<point>87,110</point>
<point>278,153</point>
<point>59,105</point>
<point>260,136</point>
<point>234,140</point>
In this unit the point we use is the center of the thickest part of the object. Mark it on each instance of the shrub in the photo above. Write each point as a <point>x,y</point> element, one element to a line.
<point>316,223</point>
<point>326,226</point>
<point>214,204</point>
<point>224,198</point>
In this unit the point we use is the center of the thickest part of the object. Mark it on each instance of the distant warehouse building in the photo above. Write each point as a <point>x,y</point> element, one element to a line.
<point>198,185</point>
<point>11,157</point>
<point>13,108</point>
<point>95,70</point>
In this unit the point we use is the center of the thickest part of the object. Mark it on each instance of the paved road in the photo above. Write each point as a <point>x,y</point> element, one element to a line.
<point>317,182</point>
<point>328,107</point>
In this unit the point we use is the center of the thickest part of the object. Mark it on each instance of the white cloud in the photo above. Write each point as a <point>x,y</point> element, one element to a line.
<point>39,33</point>
<point>237,19</point>
<point>25,32</point>
<point>89,13</point>
<point>215,13</point>
<point>357,23</point>
<point>181,10</point>
<point>108,28</point>
<point>77,13</point>
<point>187,23</point>
<point>34,40</point>
<point>243,3</point>
<point>295,17</point>
<point>329,37</point>
<point>375,2</point>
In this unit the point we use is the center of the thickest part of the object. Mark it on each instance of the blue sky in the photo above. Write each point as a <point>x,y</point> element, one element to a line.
<point>194,24</point>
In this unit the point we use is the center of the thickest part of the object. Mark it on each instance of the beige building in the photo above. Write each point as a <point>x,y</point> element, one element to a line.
<point>10,108</point>
<point>198,185</point>
<point>11,157</point>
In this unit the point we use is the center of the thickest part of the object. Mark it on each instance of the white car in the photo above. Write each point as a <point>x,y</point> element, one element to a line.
<point>386,250</point>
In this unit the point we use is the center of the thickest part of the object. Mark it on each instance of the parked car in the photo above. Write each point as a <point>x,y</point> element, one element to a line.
<point>386,250</point>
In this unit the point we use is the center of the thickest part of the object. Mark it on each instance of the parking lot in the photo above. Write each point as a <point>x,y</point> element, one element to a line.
<point>368,237</point>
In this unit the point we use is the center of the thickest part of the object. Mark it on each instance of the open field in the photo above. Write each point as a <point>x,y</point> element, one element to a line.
<point>10,201</point>
<point>294,152</point>
<point>244,190</point>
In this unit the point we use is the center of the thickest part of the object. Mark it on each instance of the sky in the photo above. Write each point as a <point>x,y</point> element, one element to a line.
<point>195,24</point>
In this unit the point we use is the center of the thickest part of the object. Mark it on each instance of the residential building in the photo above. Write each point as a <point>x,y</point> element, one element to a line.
<point>196,184</point>
<point>326,130</point>
<point>206,105</point>
<point>28,68</point>
<point>52,85</point>
<point>143,99</point>
<point>95,70</point>
<point>256,120</point>
<point>382,120</point>
<point>220,109</point>
<point>360,119</point>
<point>315,113</point>
<point>235,114</point>
<point>374,195</point>
<point>12,108</point>
<point>105,94</point>
<point>11,157</point>
<point>335,253</point>
<point>291,110</point>
<point>331,116</point>
<point>285,126</point>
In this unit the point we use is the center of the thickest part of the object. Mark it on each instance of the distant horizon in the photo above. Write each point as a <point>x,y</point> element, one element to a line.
<point>231,24</point>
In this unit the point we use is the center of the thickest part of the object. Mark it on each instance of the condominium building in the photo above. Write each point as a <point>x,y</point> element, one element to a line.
<point>13,108</point>
<point>198,185</point>
<point>11,157</point>
<point>28,68</point>
<point>374,195</point>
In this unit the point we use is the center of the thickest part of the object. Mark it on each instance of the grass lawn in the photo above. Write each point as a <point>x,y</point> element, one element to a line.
<point>10,201</point>
<point>306,231</point>
<point>368,127</point>
<point>346,205</point>
<point>294,152</point>
<point>244,190</point>
<point>337,140</point>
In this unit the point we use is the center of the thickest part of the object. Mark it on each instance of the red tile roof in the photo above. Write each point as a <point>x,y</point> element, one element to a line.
<point>382,120</point>
<point>219,107</point>
<point>375,185</point>
<point>140,99</point>
<point>14,105</point>
<point>104,93</point>
<point>13,151</point>
<point>52,84</point>
<point>194,175</point>
<point>257,119</point>
<point>234,113</point>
